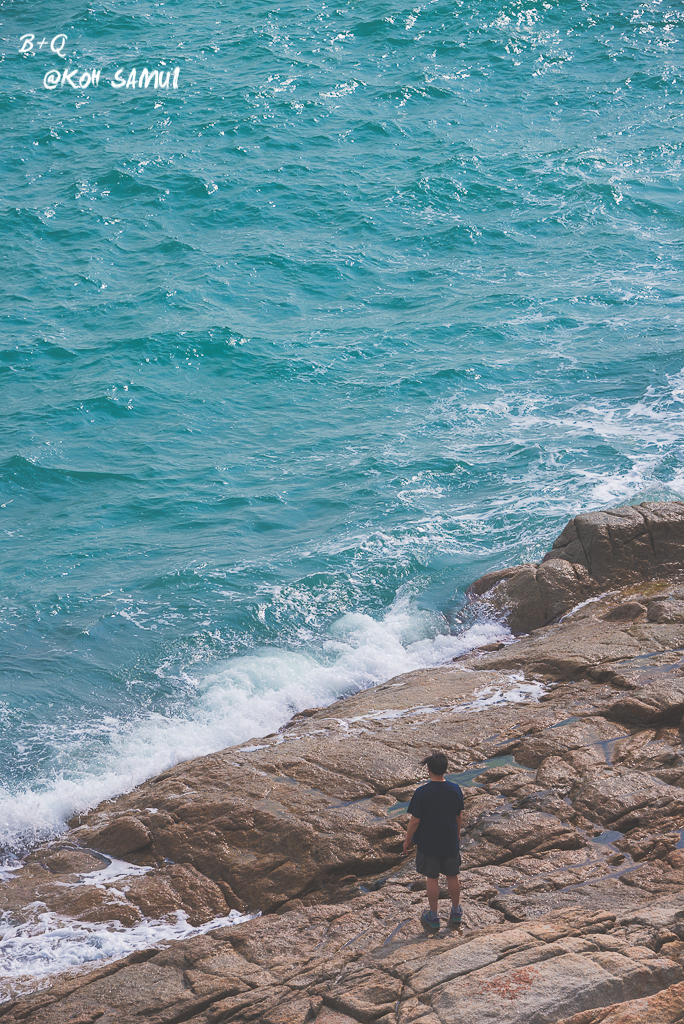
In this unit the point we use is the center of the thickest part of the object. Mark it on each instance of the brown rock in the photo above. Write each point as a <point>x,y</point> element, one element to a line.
<point>666,1007</point>
<point>535,993</point>
<point>625,799</point>
<point>641,844</point>
<point>365,994</point>
<point>659,701</point>
<point>666,610</point>
<point>595,551</point>
<point>622,544</point>
<point>626,612</point>
<point>576,650</point>
<point>533,595</point>
<point>513,833</point>
<point>466,959</point>
<point>177,887</point>
<point>631,746</point>
<point>123,835</point>
<point>150,985</point>
<point>590,732</point>
<point>654,878</point>
<point>68,860</point>
<point>295,1011</point>
<point>328,1016</point>
<point>554,773</point>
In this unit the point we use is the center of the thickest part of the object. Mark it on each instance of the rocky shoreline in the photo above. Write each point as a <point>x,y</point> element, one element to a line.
<point>567,741</point>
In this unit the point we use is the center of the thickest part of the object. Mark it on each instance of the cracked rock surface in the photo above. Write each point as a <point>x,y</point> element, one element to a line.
<point>573,848</point>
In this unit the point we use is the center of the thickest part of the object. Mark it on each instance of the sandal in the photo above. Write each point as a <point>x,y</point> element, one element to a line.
<point>430,924</point>
<point>455,917</point>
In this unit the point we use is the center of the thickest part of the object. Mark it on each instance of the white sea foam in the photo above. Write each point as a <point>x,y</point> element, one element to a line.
<point>488,696</point>
<point>113,871</point>
<point>618,488</point>
<point>637,457</point>
<point>50,945</point>
<point>227,703</point>
<point>485,697</point>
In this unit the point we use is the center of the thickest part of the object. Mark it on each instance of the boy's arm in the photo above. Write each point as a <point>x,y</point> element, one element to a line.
<point>459,820</point>
<point>410,832</point>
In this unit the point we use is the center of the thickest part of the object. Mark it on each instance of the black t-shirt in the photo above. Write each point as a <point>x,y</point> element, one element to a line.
<point>437,804</point>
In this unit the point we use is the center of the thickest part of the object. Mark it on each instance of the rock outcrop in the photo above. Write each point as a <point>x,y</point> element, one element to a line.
<point>568,743</point>
<point>596,552</point>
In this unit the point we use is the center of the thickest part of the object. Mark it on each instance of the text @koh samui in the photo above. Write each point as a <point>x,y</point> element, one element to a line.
<point>77,78</point>
<point>133,79</point>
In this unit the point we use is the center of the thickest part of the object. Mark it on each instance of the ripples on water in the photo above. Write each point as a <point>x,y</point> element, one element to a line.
<point>372,304</point>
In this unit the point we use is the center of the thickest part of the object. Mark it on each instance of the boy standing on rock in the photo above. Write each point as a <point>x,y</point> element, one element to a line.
<point>435,822</point>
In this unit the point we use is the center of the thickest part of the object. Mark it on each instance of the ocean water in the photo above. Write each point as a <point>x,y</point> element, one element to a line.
<point>371,303</point>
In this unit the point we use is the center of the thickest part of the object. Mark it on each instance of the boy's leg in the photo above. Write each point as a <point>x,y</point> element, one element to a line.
<point>454,887</point>
<point>429,918</point>
<point>432,887</point>
<point>428,866</point>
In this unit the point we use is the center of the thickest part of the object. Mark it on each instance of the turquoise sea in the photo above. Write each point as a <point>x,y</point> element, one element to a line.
<point>372,302</point>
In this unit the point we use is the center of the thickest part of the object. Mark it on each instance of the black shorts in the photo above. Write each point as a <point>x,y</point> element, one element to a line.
<point>433,867</point>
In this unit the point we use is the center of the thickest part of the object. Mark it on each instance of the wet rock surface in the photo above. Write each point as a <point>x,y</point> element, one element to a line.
<point>573,848</point>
